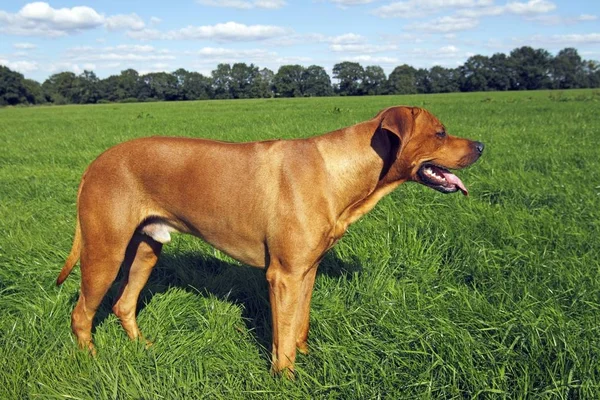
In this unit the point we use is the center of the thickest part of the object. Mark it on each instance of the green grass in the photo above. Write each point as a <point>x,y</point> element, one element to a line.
<point>496,295</point>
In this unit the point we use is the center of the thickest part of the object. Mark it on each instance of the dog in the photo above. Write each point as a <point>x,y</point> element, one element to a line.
<point>277,205</point>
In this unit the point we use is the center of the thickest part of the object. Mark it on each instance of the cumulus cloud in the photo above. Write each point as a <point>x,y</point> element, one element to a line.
<point>568,39</point>
<point>24,46</point>
<point>362,48</point>
<point>41,19</point>
<point>244,4</point>
<point>562,20</point>
<point>347,38</point>
<point>225,32</point>
<point>421,8</point>
<point>372,59</point>
<point>468,14</point>
<point>70,67</point>
<point>80,17</point>
<point>221,54</point>
<point>531,7</point>
<point>349,3</point>
<point>23,67</point>
<point>441,52</point>
<point>446,25</point>
<point>124,22</point>
<point>117,54</point>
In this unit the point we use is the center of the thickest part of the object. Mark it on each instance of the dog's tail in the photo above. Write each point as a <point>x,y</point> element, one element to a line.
<point>75,249</point>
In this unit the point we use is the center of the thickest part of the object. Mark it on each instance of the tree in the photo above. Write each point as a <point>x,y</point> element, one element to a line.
<point>61,88</point>
<point>221,84</point>
<point>591,69</point>
<point>402,80</point>
<point>288,81</point>
<point>349,76</point>
<point>374,81</point>
<point>15,89</point>
<point>474,74</point>
<point>443,80</point>
<point>129,84</point>
<point>162,86</point>
<point>244,81</point>
<point>87,88</point>
<point>316,82</point>
<point>192,85</point>
<point>531,67</point>
<point>567,70</point>
<point>422,81</point>
<point>265,83</point>
<point>33,92</point>
<point>502,75</point>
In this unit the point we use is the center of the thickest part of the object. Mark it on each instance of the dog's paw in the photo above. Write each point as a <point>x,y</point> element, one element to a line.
<point>303,347</point>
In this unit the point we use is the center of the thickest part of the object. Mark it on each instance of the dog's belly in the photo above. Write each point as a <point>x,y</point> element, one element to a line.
<point>244,249</point>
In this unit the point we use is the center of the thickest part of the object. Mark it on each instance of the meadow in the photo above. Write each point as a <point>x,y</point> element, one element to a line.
<point>494,295</point>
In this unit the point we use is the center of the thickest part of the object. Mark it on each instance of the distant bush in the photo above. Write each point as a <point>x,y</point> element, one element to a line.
<point>129,100</point>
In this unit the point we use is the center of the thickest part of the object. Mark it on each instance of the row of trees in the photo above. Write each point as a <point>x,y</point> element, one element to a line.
<point>524,68</point>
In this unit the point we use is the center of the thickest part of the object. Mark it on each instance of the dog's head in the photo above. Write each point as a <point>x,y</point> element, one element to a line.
<point>424,151</point>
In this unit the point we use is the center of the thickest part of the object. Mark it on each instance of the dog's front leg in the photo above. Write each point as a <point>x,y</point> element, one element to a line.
<point>304,310</point>
<point>285,291</point>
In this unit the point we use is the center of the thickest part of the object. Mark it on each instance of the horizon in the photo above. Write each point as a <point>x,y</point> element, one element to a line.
<point>40,39</point>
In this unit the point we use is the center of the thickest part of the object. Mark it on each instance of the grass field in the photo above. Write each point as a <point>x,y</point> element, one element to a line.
<point>495,295</point>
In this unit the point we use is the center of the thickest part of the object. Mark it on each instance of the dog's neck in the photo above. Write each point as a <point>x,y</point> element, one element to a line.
<point>357,160</point>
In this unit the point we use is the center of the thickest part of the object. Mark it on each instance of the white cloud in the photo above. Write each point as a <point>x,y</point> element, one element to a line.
<point>65,19</point>
<point>124,22</point>
<point>441,52</point>
<point>41,19</point>
<point>225,32</point>
<point>362,48</point>
<point>65,66</point>
<point>348,3</point>
<point>244,4</point>
<point>24,46</point>
<point>371,59</point>
<point>531,7</point>
<point>155,20</point>
<point>117,54</point>
<point>232,54</point>
<point>347,38</point>
<point>446,25</point>
<point>562,20</point>
<point>421,8</point>
<point>20,66</point>
<point>568,39</point>
<point>293,60</point>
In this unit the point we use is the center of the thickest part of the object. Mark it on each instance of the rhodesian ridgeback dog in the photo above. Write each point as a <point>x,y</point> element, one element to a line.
<point>277,204</point>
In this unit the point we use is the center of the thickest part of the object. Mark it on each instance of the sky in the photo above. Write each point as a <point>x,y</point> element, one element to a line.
<point>39,39</point>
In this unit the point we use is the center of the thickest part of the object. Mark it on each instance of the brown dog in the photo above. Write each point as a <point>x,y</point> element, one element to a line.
<point>278,205</point>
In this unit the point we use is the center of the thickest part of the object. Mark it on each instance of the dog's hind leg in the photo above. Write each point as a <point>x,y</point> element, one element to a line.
<point>100,264</point>
<point>140,257</point>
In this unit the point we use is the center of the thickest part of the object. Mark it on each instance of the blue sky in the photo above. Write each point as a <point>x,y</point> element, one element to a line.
<point>42,38</point>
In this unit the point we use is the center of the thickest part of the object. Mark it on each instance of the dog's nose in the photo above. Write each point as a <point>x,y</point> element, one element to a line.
<point>479,146</point>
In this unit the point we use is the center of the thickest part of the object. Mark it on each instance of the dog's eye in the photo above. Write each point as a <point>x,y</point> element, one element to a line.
<point>441,134</point>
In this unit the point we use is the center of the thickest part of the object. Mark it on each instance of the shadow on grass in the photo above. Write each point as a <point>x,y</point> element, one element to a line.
<point>209,276</point>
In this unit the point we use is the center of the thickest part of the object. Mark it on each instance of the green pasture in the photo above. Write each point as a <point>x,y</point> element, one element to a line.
<point>494,295</point>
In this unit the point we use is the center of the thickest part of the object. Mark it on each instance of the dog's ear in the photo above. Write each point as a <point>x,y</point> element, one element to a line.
<point>399,120</point>
<point>395,124</point>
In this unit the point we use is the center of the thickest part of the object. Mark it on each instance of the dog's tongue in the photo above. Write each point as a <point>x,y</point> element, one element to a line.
<point>455,180</point>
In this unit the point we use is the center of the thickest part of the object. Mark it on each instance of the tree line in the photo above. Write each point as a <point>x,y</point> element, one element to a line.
<point>524,68</point>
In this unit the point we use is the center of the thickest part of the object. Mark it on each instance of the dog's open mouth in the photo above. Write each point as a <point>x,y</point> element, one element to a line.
<point>441,179</point>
